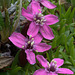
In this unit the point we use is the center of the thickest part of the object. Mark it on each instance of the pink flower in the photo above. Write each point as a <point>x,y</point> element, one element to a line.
<point>51,68</point>
<point>39,22</point>
<point>46,3</point>
<point>29,45</point>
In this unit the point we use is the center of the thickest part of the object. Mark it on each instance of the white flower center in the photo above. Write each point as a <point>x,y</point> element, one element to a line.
<point>39,19</point>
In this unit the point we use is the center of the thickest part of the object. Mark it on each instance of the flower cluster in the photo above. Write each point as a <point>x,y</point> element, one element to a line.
<point>39,28</point>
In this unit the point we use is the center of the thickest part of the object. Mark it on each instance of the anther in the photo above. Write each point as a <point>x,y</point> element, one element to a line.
<point>30,36</point>
<point>45,20</point>
<point>52,61</point>
<point>22,46</point>
<point>39,15</point>
<point>28,42</point>
<point>55,62</point>
<point>42,19</point>
<point>36,51</point>
<point>32,39</point>
<point>48,64</point>
<point>42,23</point>
<point>39,9</point>
<point>55,66</point>
<point>32,43</point>
<point>34,18</point>
<point>38,21</point>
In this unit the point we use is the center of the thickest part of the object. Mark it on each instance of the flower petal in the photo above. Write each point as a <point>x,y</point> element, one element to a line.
<point>38,38</point>
<point>33,29</point>
<point>51,19</point>
<point>46,32</point>
<point>30,57</point>
<point>40,72</point>
<point>18,35</point>
<point>36,7</point>
<point>41,47</point>
<point>29,9</point>
<point>17,39</point>
<point>48,4</point>
<point>26,14</point>
<point>52,74</point>
<point>33,0</point>
<point>65,71</point>
<point>42,60</point>
<point>59,61</point>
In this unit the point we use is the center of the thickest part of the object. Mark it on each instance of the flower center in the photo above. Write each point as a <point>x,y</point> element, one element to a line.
<point>52,67</point>
<point>29,43</point>
<point>39,19</point>
<point>29,46</point>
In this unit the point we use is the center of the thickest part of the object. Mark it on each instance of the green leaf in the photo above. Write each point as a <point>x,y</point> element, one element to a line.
<point>62,30</point>
<point>48,57</point>
<point>54,42</point>
<point>62,23</point>
<point>71,48</point>
<point>67,14</point>
<point>65,56</point>
<point>66,47</point>
<point>15,71</point>
<point>73,62</point>
<point>57,52</point>
<point>15,60</point>
<point>71,16</point>
<point>1,21</point>
<point>60,39</point>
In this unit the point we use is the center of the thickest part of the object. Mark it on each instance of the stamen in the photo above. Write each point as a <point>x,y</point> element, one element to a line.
<point>30,36</point>
<point>42,23</point>
<point>40,15</point>
<point>48,64</point>
<point>39,9</point>
<point>55,66</point>
<point>28,42</point>
<point>45,20</point>
<point>32,39</point>
<point>55,62</point>
<point>22,46</point>
<point>42,19</point>
<point>38,21</point>
<point>34,18</point>
<point>32,43</point>
<point>36,51</point>
<point>52,61</point>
